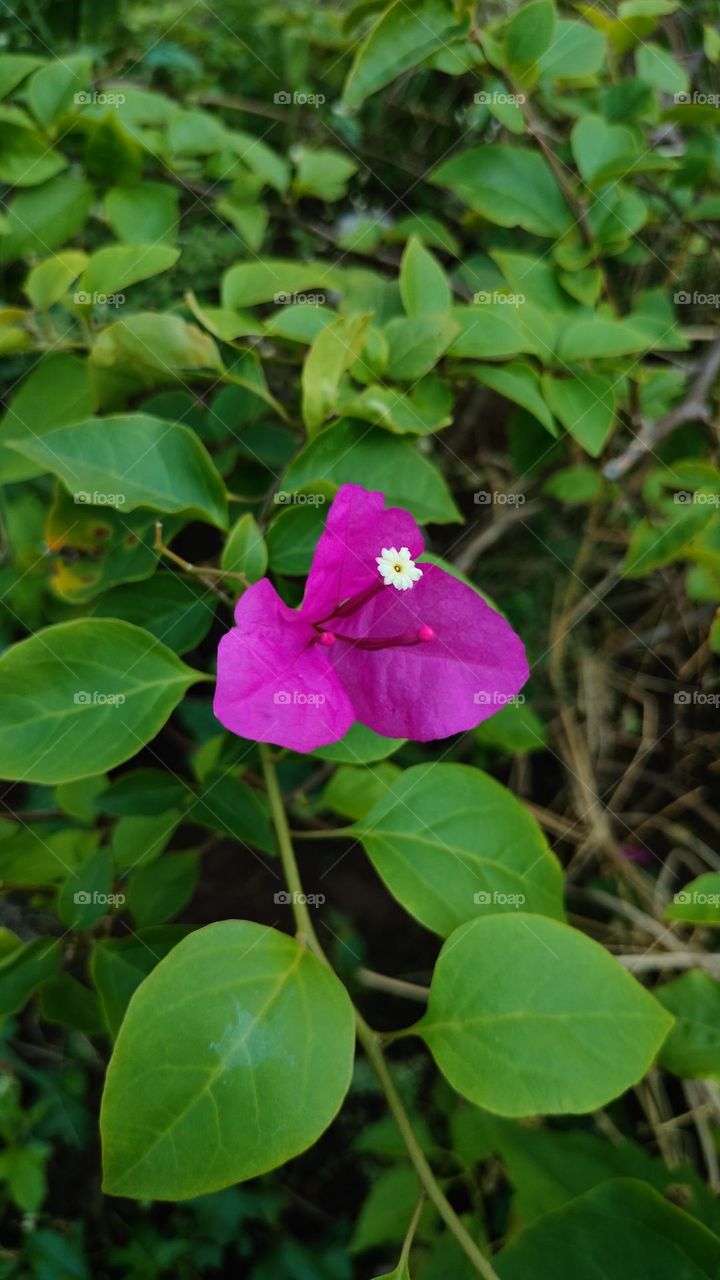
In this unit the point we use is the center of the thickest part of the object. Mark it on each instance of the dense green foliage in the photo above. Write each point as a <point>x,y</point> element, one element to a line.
<point>467,257</point>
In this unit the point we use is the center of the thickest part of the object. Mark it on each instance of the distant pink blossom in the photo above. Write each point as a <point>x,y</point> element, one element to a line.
<point>404,648</point>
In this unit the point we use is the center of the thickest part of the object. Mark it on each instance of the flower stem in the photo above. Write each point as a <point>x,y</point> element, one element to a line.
<point>367,1037</point>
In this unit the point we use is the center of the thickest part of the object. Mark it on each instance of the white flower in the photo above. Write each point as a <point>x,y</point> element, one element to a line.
<point>397,569</point>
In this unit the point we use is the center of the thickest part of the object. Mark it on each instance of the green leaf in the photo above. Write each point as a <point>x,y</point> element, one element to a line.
<point>652,546</point>
<point>510,186</point>
<point>112,153</point>
<point>141,838</point>
<point>144,791</point>
<point>66,1001</point>
<point>574,485</point>
<point>262,1038</point>
<point>530,1017</point>
<point>14,67</point>
<point>423,284</point>
<point>335,348</point>
<point>177,610</point>
<point>163,344</point>
<point>300,323</point>
<point>425,408</point>
<point>30,855</point>
<point>118,966</point>
<point>53,87</point>
<point>515,728</point>
<point>520,383</point>
<point>86,896</point>
<point>49,280</point>
<point>95,547</point>
<point>24,970</point>
<point>354,790</point>
<point>359,745</point>
<point>699,901</point>
<point>83,696</point>
<point>657,67</point>
<point>158,892</point>
<point>117,266</point>
<point>322,172</point>
<point>352,453</point>
<point>585,405</point>
<point>235,809</point>
<point>598,338</point>
<point>626,1228</point>
<point>25,158</point>
<point>530,32</point>
<point>249,283</point>
<point>402,38</point>
<point>416,344</point>
<point>692,1049</point>
<point>450,843</point>
<point>56,391</point>
<point>133,460</point>
<point>292,538</point>
<point>45,217</point>
<point>245,550</point>
<point>147,213</point>
<point>602,150</point>
<point>577,51</point>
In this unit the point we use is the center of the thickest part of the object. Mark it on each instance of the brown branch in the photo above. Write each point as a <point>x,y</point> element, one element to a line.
<point>694,408</point>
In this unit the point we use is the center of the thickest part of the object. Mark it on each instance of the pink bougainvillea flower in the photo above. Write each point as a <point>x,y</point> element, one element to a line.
<point>404,648</point>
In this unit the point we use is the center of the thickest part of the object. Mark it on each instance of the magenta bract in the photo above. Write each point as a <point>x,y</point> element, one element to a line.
<point>410,657</point>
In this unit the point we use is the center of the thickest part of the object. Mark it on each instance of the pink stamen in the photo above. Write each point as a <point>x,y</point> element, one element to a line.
<point>326,637</point>
<point>393,642</point>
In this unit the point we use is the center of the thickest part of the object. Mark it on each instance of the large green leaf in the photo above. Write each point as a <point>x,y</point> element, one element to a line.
<point>352,453</point>
<point>511,186</point>
<point>234,1056</point>
<point>528,1016</point>
<point>44,217</point>
<point>530,31</point>
<point>627,1230</point>
<point>133,460</point>
<point>83,696</point>
<point>451,843</point>
<point>402,37</point>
